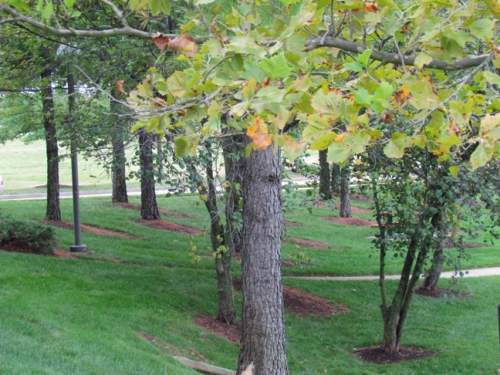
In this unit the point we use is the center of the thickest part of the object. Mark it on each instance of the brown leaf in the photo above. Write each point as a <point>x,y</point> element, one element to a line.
<point>120,86</point>
<point>161,41</point>
<point>371,6</point>
<point>185,44</point>
<point>401,96</point>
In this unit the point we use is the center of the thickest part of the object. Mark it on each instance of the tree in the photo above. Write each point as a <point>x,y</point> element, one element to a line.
<point>118,171</point>
<point>273,71</point>
<point>325,192</point>
<point>149,205</point>
<point>345,192</point>
<point>53,209</point>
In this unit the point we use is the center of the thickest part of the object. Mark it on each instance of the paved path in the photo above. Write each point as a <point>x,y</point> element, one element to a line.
<point>477,272</point>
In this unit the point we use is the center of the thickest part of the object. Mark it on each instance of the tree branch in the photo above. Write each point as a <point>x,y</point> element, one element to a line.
<point>117,11</point>
<point>394,58</point>
<point>125,30</point>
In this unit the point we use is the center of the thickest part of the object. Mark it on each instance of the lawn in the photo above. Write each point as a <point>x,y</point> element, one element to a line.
<point>130,307</point>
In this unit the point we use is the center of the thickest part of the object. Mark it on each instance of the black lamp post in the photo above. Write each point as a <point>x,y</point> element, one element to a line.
<point>77,247</point>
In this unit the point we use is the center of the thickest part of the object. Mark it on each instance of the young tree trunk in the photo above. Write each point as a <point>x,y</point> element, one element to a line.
<point>234,164</point>
<point>226,312</point>
<point>53,209</point>
<point>438,259</point>
<point>263,335</point>
<point>149,206</point>
<point>325,192</point>
<point>335,181</point>
<point>345,194</point>
<point>118,171</point>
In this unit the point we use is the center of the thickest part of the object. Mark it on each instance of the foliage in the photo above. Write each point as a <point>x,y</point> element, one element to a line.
<point>26,235</point>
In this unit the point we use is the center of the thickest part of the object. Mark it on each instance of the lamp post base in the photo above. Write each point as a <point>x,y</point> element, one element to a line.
<point>78,248</point>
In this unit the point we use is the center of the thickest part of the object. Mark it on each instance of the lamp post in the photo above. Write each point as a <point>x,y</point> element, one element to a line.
<point>77,247</point>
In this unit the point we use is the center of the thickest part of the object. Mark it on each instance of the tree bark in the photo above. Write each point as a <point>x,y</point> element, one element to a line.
<point>335,181</point>
<point>438,259</point>
<point>53,209</point>
<point>325,192</point>
<point>345,194</point>
<point>263,335</point>
<point>234,164</point>
<point>118,171</point>
<point>149,206</point>
<point>226,312</point>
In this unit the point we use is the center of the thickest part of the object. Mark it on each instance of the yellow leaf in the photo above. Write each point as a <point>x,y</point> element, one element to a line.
<point>259,134</point>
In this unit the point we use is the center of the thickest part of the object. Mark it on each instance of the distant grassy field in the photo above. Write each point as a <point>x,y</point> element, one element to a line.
<point>94,315</point>
<point>23,167</point>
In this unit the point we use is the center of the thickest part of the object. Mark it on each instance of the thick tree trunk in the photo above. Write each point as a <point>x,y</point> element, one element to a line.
<point>234,164</point>
<point>263,337</point>
<point>118,171</point>
<point>149,206</point>
<point>226,312</point>
<point>325,192</point>
<point>53,209</point>
<point>335,180</point>
<point>345,194</point>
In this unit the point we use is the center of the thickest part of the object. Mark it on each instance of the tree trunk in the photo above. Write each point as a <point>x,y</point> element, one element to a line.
<point>325,192</point>
<point>234,164</point>
<point>434,272</point>
<point>263,335</point>
<point>118,171</point>
<point>226,312</point>
<point>335,181</point>
<point>149,206</point>
<point>345,195</point>
<point>53,209</point>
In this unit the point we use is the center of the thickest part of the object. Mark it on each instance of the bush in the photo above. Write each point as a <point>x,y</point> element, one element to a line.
<point>26,236</point>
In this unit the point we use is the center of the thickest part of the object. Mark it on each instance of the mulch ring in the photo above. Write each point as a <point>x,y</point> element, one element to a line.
<point>231,332</point>
<point>15,247</point>
<point>292,224</point>
<point>450,244</point>
<point>361,197</point>
<point>442,292</point>
<point>355,221</point>
<point>360,210</point>
<point>377,354</point>
<point>98,231</point>
<point>309,243</point>
<point>165,211</point>
<point>302,303</point>
<point>173,227</point>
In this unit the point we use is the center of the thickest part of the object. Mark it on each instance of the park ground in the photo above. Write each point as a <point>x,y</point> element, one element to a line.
<point>133,305</point>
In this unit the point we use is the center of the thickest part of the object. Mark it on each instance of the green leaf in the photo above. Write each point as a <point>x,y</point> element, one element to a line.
<point>481,156</point>
<point>276,67</point>
<point>395,149</point>
<point>422,59</point>
<point>491,78</point>
<point>364,58</point>
<point>338,153</point>
<point>363,97</point>
<point>181,144</point>
<point>483,28</point>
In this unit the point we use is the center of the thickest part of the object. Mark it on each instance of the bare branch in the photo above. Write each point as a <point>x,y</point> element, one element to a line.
<point>117,11</point>
<point>67,32</point>
<point>394,58</point>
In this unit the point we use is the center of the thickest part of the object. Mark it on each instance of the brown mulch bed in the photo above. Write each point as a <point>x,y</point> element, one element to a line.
<point>98,231</point>
<point>442,292</point>
<point>292,224</point>
<point>231,332</point>
<point>378,355</point>
<point>309,243</point>
<point>360,210</point>
<point>16,247</point>
<point>450,244</point>
<point>173,227</point>
<point>355,221</point>
<point>165,211</point>
<point>45,187</point>
<point>361,197</point>
<point>59,253</point>
<point>304,304</point>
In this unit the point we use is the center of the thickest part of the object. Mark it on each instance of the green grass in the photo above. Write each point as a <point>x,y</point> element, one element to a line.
<point>85,316</point>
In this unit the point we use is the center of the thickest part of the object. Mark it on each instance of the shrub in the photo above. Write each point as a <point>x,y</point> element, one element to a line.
<point>26,236</point>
